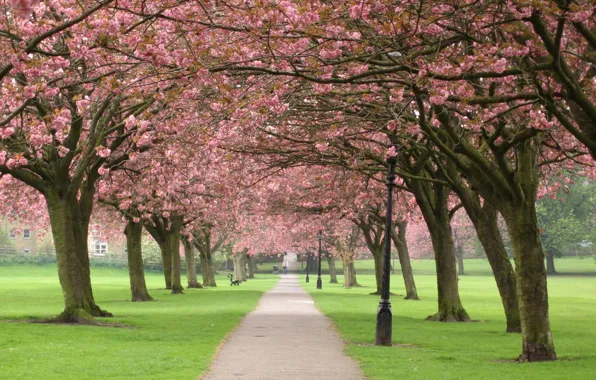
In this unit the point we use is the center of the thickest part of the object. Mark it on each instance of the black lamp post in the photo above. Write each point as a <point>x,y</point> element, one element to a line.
<point>319,281</point>
<point>307,265</point>
<point>384,315</point>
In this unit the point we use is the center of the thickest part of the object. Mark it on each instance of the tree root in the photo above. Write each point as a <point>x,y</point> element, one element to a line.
<point>462,316</point>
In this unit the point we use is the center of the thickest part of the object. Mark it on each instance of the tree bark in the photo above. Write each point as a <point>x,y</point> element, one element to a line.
<point>433,202</point>
<point>73,263</point>
<point>332,270</point>
<point>531,282</point>
<point>136,271</point>
<point>240,266</point>
<point>379,265</point>
<point>191,265</point>
<point>206,266</point>
<point>487,230</point>
<point>165,248</point>
<point>173,241</point>
<point>373,235</point>
<point>349,273</point>
<point>459,255</point>
<point>450,306</point>
<point>550,263</point>
<point>251,266</point>
<point>313,264</point>
<point>399,239</point>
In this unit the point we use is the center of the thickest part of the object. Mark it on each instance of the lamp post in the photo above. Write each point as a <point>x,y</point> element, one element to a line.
<point>319,281</point>
<point>384,315</point>
<point>307,265</point>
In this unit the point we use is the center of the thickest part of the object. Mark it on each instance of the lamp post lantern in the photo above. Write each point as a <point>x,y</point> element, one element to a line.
<point>319,281</point>
<point>384,314</point>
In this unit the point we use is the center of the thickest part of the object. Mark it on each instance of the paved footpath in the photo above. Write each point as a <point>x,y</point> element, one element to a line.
<point>285,338</point>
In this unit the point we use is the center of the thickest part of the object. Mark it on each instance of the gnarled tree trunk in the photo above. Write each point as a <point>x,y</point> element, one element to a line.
<point>332,270</point>
<point>251,266</point>
<point>165,249</point>
<point>240,266</point>
<point>379,265</point>
<point>207,270</point>
<point>550,262</point>
<point>174,239</point>
<point>459,256</point>
<point>487,229</point>
<point>73,263</point>
<point>191,265</point>
<point>136,271</point>
<point>531,282</point>
<point>349,273</point>
<point>374,237</point>
<point>399,239</point>
<point>433,202</point>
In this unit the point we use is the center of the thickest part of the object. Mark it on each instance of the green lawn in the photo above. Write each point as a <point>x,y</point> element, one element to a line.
<point>478,350</point>
<point>571,265</point>
<point>174,337</point>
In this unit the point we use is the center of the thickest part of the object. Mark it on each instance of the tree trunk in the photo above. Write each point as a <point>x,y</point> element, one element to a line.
<point>251,266</point>
<point>532,289</point>
<point>136,272</point>
<point>165,248</point>
<point>332,270</point>
<point>550,263</point>
<point>487,230</point>
<point>191,266</point>
<point>207,272</point>
<point>433,202</point>
<point>450,306</point>
<point>378,258</point>
<point>313,264</point>
<point>240,266</point>
<point>399,239</point>
<point>349,273</point>
<point>173,241</point>
<point>73,264</point>
<point>352,267</point>
<point>459,255</point>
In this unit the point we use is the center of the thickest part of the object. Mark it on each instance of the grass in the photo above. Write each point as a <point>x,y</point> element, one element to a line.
<point>478,350</point>
<point>480,267</point>
<point>173,338</point>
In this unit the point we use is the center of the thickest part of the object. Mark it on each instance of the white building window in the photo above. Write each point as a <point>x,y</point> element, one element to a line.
<point>26,234</point>
<point>12,235</point>
<point>100,248</point>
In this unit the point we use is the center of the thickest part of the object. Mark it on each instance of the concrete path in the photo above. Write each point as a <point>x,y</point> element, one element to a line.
<point>285,338</point>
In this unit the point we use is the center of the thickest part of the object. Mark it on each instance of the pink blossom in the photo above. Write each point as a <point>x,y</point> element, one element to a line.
<point>499,66</point>
<point>103,170</point>
<point>29,92</point>
<point>392,125</point>
<point>322,147</point>
<point>103,152</point>
<point>359,11</point>
<point>391,152</point>
<point>396,95</point>
<point>7,132</point>
<point>63,151</point>
<point>440,97</point>
<point>23,8</point>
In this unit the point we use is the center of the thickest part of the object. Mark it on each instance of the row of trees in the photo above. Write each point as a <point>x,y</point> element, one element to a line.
<point>266,121</point>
